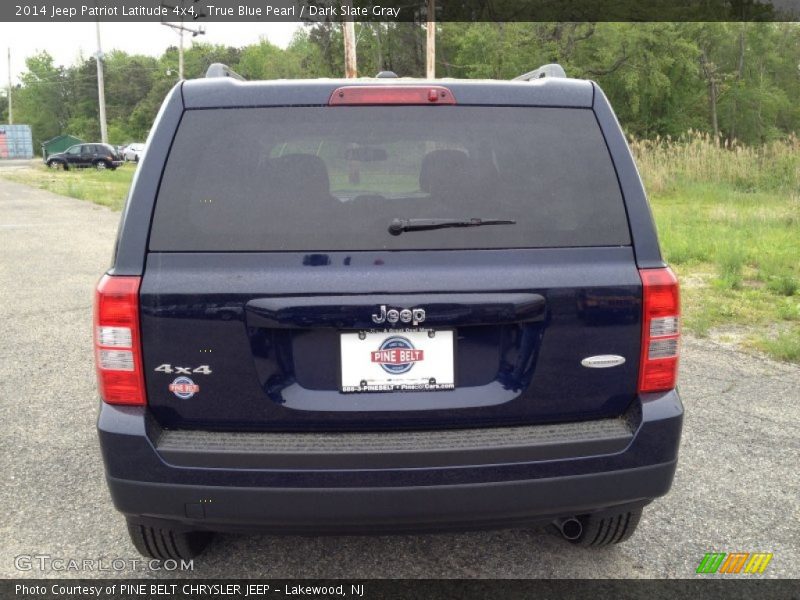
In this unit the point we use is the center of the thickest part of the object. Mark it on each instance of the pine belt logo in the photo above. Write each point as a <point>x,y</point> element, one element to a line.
<point>397,355</point>
<point>184,388</point>
<point>734,563</point>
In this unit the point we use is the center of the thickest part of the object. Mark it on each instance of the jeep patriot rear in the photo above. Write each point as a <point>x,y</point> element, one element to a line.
<point>386,305</point>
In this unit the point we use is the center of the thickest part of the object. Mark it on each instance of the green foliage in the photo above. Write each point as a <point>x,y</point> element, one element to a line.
<point>37,101</point>
<point>735,80</point>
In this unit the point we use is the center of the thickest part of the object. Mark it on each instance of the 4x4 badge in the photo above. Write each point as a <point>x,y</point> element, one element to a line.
<point>415,316</point>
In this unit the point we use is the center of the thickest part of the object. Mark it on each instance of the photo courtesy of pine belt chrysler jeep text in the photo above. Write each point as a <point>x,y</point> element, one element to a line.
<point>384,305</point>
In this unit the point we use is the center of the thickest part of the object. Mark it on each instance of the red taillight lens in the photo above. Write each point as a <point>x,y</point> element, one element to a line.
<point>658,365</point>
<point>379,94</point>
<point>117,349</point>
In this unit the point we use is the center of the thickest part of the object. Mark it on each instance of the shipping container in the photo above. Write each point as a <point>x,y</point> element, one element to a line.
<point>16,141</point>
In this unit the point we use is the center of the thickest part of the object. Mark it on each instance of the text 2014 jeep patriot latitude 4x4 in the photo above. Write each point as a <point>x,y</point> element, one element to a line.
<point>386,305</point>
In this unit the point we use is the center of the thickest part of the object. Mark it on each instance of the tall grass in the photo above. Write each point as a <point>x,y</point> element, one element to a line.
<point>729,221</point>
<point>698,157</point>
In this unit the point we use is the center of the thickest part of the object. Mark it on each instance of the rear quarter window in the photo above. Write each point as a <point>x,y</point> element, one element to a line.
<point>334,178</point>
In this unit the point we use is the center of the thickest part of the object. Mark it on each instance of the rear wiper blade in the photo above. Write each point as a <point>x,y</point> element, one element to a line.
<point>398,226</point>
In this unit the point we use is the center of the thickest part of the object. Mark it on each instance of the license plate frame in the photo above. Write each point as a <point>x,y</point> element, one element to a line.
<point>407,360</point>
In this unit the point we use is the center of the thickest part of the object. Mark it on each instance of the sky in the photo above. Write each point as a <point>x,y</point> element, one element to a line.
<point>67,41</point>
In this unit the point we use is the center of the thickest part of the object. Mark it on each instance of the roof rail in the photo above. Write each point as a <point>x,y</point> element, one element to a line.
<point>220,70</point>
<point>551,70</point>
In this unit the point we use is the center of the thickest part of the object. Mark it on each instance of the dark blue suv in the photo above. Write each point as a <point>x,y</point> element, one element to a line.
<point>386,305</point>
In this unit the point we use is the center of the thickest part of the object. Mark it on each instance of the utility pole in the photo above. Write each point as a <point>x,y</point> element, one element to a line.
<point>350,61</point>
<point>180,54</point>
<point>101,92</point>
<point>10,108</point>
<point>430,48</point>
<point>181,29</point>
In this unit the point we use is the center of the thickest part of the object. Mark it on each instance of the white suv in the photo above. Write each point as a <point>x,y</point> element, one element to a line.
<point>133,152</point>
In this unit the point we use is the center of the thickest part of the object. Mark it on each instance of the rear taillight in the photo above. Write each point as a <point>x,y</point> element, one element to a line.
<point>117,348</point>
<point>396,94</point>
<point>658,366</point>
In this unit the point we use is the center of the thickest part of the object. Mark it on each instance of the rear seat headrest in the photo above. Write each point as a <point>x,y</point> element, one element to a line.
<point>300,175</point>
<point>444,171</point>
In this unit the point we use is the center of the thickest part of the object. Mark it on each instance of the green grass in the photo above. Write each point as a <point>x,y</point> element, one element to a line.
<point>108,188</point>
<point>786,346</point>
<point>728,220</point>
<point>732,233</point>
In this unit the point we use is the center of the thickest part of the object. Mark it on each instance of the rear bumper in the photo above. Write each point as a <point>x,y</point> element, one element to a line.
<point>221,483</point>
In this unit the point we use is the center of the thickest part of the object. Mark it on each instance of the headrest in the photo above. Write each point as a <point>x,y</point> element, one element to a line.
<point>444,172</point>
<point>299,175</point>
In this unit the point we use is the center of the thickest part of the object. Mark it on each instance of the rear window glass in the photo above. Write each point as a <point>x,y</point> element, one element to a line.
<point>334,178</point>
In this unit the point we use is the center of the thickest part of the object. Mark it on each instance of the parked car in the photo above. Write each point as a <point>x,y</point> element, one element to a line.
<point>362,306</point>
<point>99,156</point>
<point>133,152</point>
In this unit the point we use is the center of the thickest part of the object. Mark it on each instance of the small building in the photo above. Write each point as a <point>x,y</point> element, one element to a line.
<point>16,141</point>
<point>58,144</point>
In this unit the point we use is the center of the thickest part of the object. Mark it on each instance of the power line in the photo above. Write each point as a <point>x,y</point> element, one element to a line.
<point>181,29</point>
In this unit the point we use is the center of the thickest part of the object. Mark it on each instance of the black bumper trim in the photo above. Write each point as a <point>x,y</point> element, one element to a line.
<point>401,449</point>
<point>420,508</point>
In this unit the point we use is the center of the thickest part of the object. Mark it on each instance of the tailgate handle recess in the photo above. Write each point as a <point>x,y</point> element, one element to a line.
<point>355,312</point>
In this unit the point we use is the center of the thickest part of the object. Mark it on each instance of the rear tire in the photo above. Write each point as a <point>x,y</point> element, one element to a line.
<point>100,165</point>
<point>163,543</point>
<point>607,529</point>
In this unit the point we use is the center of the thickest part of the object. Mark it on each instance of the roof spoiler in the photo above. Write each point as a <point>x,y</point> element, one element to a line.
<point>551,70</point>
<point>220,70</point>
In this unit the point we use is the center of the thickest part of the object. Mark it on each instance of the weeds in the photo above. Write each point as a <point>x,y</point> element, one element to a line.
<point>785,346</point>
<point>106,187</point>
<point>667,163</point>
<point>729,220</point>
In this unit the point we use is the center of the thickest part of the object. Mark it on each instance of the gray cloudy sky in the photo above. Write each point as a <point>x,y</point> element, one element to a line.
<point>67,41</point>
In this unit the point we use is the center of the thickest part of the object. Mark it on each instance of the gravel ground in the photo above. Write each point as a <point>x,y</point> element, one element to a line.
<point>736,488</point>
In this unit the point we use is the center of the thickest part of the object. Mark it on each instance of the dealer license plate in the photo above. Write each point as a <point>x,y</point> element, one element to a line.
<point>390,361</point>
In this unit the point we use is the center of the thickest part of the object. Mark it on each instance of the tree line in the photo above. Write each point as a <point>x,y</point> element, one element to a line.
<point>736,81</point>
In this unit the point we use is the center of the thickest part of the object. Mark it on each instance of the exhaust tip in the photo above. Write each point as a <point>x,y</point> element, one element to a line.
<point>571,528</point>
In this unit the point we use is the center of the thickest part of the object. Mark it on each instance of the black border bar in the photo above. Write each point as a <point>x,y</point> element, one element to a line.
<point>702,588</point>
<point>316,11</point>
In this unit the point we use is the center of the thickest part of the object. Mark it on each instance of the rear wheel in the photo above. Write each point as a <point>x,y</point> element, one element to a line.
<point>607,529</point>
<point>100,165</point>
<point>163,543</point>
